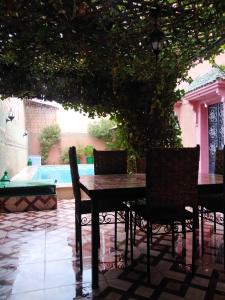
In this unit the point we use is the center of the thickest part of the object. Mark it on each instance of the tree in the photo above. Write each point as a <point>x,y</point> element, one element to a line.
<point>102,129</point>
<point>111,133</point>
<point>95,56</point>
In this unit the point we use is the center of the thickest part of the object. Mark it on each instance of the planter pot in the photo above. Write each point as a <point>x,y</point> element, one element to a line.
<point>89,160</point>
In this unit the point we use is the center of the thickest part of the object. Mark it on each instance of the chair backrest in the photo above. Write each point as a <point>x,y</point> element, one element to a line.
<point>75,176</point>
<point>110,162</point>
<point>219,165</point>
<point>172,177</point>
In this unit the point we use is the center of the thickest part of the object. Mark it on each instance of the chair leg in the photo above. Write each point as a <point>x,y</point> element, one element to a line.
<point>194,244</point>
<point>173,239</point>
<point>184,229</point>
<point>202,230</point>
<point>151,234</point>
<point>148,252</point>
<point>127,234</point>
<point>81,252</point>
<point>77,234</point>
<point>115,241</point>
<point>131,237</point>
<point>98,235</point>
<point>214,219</point>
<point>135,227</point>
<point>183,239</point>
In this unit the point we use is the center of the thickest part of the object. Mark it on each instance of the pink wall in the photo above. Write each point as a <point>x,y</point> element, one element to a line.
<point>187,121</point>
<point>73,139</point>
<point>192,113</point>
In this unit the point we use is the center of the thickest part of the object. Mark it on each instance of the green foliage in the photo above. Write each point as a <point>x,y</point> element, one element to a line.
<point>65,156</point>
<point>96,56</point>
<point>110,132</point>
<point>119,140</point>
<point>88,150</point>
<point>102,129</point>
<point>49,136</point>
<point>80,151</point>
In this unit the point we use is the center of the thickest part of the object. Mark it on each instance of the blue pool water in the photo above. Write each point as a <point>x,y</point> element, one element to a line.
<point>61,173</point>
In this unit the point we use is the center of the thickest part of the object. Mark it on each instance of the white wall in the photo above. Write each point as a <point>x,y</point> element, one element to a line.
<point>13,146</point>
<point>73,121</point>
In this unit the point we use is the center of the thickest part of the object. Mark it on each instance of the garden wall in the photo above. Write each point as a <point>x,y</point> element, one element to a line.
<point>38,116</point>
<point>73,139</point>
<point>41,114</point>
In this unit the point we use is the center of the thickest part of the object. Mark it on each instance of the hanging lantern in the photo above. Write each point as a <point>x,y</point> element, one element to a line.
<point>156,39</point>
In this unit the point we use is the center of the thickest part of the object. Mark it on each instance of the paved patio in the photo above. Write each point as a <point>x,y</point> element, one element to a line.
<point>38,261</point>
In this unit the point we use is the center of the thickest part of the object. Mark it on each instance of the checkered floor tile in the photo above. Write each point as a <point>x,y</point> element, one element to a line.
<point>38,261</point>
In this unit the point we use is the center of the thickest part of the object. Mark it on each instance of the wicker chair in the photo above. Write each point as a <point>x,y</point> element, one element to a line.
<point>83,206</point>
<point>111,162</point>
<point>171,185</point>
<point>214,202</point>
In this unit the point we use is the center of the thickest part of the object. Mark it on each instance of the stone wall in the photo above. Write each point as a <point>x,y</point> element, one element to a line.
<point>13,145</point>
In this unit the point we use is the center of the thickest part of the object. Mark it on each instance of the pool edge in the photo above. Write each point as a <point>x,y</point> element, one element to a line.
<point>64,191</point>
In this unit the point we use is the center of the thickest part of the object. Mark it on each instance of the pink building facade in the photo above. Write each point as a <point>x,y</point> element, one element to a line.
<point>201,116</point>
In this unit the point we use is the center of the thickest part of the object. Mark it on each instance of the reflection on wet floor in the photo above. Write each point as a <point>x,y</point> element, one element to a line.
<point>38,261</point>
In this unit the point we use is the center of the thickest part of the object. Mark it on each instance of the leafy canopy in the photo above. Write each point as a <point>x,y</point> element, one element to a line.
<point>96,56</point>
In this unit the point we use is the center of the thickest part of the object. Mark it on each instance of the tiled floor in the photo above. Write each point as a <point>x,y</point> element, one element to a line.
<point>38,261</point>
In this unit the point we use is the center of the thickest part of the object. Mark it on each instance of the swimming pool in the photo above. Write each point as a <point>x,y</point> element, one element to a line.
<point>60,173</point>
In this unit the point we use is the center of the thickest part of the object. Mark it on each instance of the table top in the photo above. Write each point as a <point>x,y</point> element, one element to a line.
<point>113,181</point>
<point>129,181</point>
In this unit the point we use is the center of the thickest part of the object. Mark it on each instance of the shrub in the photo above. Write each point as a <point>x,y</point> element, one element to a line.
<point>49,136</point>
<point>88,150</point>
<point>65,156</point>
<point>80,151</point>
<point>102,129</point>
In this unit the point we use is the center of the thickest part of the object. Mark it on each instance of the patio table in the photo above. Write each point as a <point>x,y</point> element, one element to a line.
<point>122,187</point>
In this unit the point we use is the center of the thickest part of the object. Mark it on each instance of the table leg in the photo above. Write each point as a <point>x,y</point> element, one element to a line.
<point>95,241</point>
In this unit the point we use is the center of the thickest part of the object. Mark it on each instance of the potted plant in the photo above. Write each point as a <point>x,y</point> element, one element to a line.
<point>88,152</point>
<point>80,153</point>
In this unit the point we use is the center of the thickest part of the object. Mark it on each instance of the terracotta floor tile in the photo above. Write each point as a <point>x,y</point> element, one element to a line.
<point>38,261</point>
